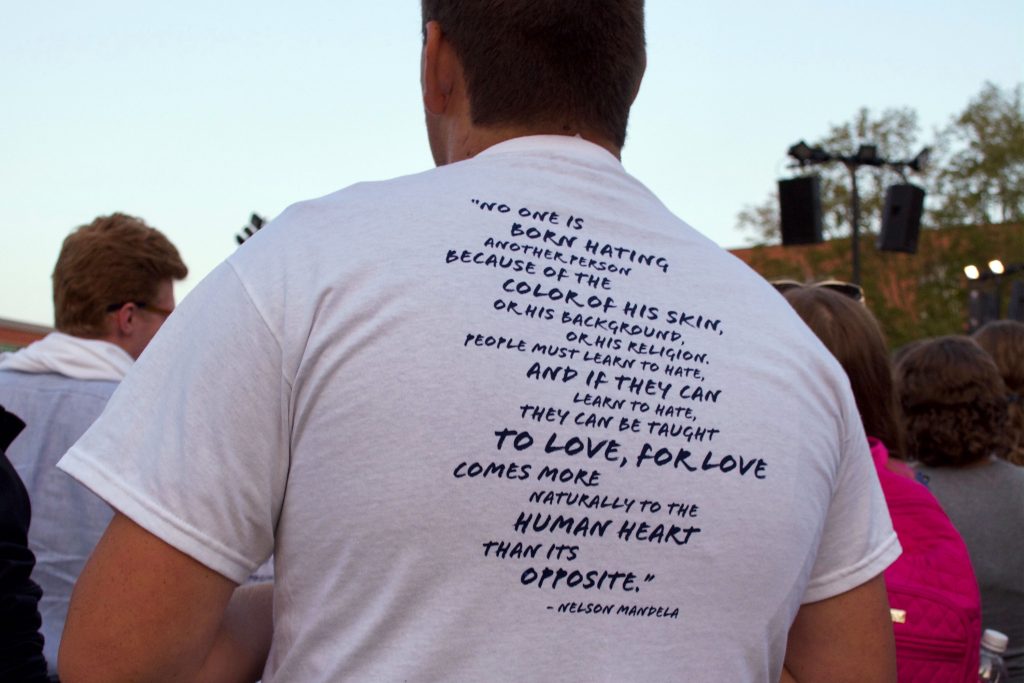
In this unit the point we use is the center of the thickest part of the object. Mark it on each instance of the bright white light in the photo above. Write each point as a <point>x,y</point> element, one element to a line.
<point>972,272</point>
<point>996,266</point>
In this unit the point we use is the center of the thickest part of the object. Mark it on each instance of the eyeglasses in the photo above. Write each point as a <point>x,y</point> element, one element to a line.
<point>847,289</point>
<point>159,310</point>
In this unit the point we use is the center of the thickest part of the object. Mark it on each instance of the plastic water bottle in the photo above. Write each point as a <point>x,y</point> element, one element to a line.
<point>993,668</point>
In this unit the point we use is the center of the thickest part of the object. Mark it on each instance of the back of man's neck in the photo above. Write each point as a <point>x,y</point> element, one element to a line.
<point>478,138</point>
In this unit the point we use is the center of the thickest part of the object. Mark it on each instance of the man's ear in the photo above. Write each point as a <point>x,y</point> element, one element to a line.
<point>124,320</point>
<point>439,68</point>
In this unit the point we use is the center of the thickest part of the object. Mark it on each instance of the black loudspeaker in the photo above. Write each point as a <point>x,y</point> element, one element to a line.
<point>901,218</point>
<point>800,210</point>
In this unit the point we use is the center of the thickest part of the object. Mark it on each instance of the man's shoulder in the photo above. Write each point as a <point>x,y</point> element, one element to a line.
<point>517,165</point>
<point>379,195</point>
<point>361,212</point>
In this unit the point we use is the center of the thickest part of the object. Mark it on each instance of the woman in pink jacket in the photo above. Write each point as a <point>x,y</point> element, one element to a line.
<point>933,593</point>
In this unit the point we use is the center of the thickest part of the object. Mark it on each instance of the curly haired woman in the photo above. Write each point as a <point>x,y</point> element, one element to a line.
<point>955,407</point>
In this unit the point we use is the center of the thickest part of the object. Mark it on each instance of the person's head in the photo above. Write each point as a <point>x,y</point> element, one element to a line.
<point>898,354</point>
<point>847,289</point>
<point>114,281</point>
<point>549,66</point>
<point>1004,341</point>
<point>847,329</point>
<point>954,402</point>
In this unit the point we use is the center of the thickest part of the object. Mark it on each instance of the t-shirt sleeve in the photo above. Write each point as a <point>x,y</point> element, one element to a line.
<point>858,541</point>
<point>193,446</point>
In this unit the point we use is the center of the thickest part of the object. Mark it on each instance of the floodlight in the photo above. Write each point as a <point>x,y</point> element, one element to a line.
<point>972,272</point>
<point>996,266</point>
<point>920,162</point>
<point>903,207</point>
<point>801,151</point>
<point>867,154</point>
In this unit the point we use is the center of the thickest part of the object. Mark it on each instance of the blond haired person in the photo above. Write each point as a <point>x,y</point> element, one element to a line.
<point>112,290</point>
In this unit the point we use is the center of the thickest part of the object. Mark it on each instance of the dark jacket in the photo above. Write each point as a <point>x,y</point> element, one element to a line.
<point>21,644</point>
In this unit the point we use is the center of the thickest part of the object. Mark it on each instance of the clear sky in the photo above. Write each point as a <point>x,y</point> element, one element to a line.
<point>194,114</point>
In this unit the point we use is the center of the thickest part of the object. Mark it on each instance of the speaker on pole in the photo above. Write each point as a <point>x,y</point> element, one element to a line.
<point>800,210</point>
<point>901,218</point>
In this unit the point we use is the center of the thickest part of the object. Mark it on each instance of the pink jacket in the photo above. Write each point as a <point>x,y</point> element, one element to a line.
<point>933,594</point>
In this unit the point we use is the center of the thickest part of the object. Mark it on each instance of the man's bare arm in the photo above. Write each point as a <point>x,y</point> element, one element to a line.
<point>243,639</point>
<point>143,610</point>
<point>846,638</point>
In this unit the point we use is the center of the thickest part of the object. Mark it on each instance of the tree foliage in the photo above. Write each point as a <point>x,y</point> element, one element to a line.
<point>912,296</point>
<point>976,176</point>
<point>982,178</point>
<point>896,133</point>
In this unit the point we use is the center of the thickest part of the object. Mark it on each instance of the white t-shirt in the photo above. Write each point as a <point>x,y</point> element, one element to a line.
<point>508,419</point>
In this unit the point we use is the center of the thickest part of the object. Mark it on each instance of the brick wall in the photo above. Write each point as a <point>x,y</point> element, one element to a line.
<point>14,334</point>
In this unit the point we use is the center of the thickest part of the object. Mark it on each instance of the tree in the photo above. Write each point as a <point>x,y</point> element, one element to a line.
<point>975,189</point>
<point>896,134</point>
<point>762,220</point>
<point>912,296</point>
<point>981,180</point>
<point>977,173</point>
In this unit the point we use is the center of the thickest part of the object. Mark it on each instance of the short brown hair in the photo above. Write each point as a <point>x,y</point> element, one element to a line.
<point>954,401</point>
<point>114,259</point>
<point>847,329</point>
<point>1004,341</point>
<point>547,61</point>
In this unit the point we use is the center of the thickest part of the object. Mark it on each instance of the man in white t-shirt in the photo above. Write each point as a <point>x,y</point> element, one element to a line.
<point>508,419</point>
<point>112,290</point>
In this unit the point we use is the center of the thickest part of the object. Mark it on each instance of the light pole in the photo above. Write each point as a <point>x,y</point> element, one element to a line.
<point>867,155</point>
<point>986,306</point>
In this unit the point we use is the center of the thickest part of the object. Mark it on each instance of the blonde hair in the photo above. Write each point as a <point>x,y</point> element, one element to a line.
<point>849,330</point>
<point>113,260</point>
